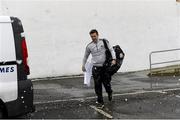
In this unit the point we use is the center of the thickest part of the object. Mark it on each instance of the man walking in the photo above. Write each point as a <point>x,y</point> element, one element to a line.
<point>97,49</point>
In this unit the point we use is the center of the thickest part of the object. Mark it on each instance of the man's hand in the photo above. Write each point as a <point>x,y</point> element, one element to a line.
<point>83,69</point>
<point>113,62</point>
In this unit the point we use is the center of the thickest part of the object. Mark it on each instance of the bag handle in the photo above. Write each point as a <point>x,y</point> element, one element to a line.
<point>105,44</point>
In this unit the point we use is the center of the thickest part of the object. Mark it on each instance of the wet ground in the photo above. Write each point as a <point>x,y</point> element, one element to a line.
<point>135,96</point>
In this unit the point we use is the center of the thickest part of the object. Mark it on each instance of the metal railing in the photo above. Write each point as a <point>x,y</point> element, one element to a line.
<point>158,63</point>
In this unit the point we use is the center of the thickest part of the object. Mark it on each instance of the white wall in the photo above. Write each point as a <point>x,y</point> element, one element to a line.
<point>57,31</point>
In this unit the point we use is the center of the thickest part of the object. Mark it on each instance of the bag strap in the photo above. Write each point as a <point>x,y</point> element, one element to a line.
<point>105,44</point>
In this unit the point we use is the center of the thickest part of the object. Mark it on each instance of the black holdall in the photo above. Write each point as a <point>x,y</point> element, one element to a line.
<point>119,58</point>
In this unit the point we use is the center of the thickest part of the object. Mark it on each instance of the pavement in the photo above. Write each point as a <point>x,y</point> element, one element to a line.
<point>135,95</point>
<point>166,71</point>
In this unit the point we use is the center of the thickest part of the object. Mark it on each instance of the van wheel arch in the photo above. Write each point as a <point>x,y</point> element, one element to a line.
<point>3,109</point>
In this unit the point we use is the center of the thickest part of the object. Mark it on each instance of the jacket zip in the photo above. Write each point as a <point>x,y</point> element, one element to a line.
<point>97,47</point>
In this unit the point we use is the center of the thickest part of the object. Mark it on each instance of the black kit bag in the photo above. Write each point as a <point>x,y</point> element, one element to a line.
<point>119,58</point>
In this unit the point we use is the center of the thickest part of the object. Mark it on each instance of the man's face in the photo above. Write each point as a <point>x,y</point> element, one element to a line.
<point>94,37</point>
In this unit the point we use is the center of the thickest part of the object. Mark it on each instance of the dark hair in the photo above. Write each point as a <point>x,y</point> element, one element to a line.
<point>93,31</point>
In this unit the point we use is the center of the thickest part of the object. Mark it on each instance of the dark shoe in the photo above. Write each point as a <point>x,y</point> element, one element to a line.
<point>110,96</point>
<point>99,105</point>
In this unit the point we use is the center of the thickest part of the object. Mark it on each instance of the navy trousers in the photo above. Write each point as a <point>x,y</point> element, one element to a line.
<point>101,77</point>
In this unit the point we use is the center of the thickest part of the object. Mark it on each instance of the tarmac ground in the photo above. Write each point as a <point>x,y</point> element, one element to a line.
<point>135,95</point>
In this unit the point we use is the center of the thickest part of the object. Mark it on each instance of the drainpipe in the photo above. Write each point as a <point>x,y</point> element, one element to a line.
<point>178,15</point>
<point>1,9</point>
<point>178,19</point>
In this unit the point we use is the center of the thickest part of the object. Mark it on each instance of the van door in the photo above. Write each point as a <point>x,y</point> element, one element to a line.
<point>8,65</point>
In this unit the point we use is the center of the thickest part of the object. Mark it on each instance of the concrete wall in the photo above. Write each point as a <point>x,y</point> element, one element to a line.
<point>57,31</point>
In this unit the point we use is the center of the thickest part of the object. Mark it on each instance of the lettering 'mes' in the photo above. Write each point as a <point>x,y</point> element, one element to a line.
<point>6,69</point>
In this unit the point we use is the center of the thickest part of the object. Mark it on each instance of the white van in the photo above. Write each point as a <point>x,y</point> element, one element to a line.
<point>16,91</point>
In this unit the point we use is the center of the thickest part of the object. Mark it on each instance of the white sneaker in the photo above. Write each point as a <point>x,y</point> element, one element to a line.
<point>99,105</point>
